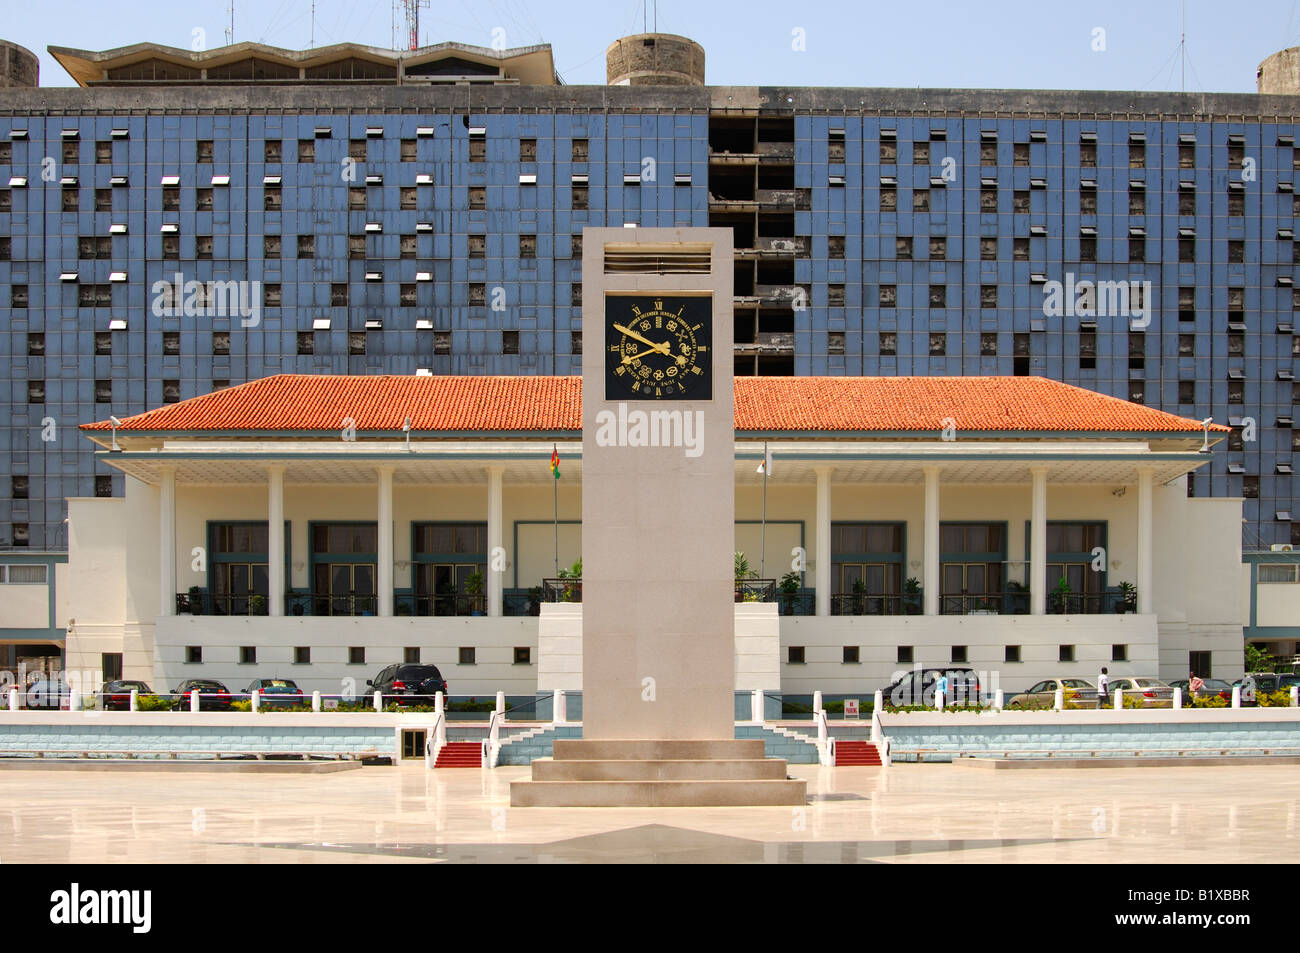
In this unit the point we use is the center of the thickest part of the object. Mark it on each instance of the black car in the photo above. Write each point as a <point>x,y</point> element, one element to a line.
<point>409,684</point>
<point>213,696</point>
<point>917,687</point>
<point>116,696</point>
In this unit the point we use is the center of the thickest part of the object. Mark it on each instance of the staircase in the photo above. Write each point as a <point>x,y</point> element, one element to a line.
<point>460,754</point>
<point>856,754</point>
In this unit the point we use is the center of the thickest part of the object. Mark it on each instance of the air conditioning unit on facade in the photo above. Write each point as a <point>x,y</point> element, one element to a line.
<point>1282,548</point>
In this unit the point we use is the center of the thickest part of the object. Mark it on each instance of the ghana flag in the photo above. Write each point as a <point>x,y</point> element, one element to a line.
<point>555,462</point>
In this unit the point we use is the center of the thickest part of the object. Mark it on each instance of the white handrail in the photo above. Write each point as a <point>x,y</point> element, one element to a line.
<point>492,747</point>
<point>434,741</point>
<point>825,744</point>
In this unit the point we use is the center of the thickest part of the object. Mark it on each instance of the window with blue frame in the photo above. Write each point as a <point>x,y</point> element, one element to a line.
<point>450,568</point>
<point>867,568</point>
<point>238,583</point>
<point>971,559</point>
<point>344,559</point>
<point>1070,557</point>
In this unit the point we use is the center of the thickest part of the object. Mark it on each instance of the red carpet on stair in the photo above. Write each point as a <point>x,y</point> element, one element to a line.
<point>460,754</point>
<point>856,753</point>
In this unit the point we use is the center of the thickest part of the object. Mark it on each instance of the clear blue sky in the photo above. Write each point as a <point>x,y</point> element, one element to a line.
<point>935,43</point>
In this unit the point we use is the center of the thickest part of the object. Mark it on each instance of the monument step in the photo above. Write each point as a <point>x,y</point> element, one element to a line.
<point>460,754</point>
<point>593,749</point>
<point>715,769</point>
<point>751,793</point>
<point>856,754</point>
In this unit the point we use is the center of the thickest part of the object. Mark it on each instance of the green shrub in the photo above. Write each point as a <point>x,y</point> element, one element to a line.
<point>242,705</point>
<point>1133,701</point>
<point>153,703</point>
<point>1278,699</point>
<point>1210,701</point>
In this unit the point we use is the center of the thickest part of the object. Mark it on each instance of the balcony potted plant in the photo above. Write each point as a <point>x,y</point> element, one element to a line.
<point>912,596</point>
<point>1128,598</point>
<point>790,585</point>
<point>573,585</point>
<point>196,600</point>
<point>534,600</point>
<point>859,604</point>
<point>474,589</point>
<point>743,574</point>
<point>257,604</point>
<point>984,607</point>
<point>1060,596</point>
<point>1017,598</point>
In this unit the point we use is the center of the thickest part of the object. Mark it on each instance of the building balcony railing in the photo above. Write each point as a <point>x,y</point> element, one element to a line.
<point>756,590</point>
<point>562,589</point>
<point>197,602</point>
<point>444,604</point>
<point>863,603</point>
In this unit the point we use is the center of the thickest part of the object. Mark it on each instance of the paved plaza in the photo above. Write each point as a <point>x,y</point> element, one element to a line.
<point>937,813</point>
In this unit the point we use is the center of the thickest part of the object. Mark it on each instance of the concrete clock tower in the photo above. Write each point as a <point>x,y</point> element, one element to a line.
<point>658,535</point>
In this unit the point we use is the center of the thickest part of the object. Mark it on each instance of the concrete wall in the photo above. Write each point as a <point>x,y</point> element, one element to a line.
<point>985,638</point>
<point>26,605</point>
<point>1117,733</point>
<point>384,639</point>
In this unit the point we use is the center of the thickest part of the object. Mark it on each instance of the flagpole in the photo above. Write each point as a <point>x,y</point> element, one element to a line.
<point>555,495</point>
<point>762,546</point>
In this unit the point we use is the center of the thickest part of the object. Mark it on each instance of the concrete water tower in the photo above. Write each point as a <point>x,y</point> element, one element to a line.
<point>654,59</point>
<point>19,66</point>
<point>1280,73</point>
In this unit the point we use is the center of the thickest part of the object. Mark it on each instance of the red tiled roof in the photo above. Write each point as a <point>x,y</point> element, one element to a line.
<point>307,402</point>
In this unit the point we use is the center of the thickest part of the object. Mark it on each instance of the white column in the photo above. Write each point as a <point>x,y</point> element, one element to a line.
<point>930,568</point>
<point>495,579</point>
<point>384,576</point>
<point>1145,575</point>
<point>275,582</point>
<point>824,583</point>
<point>1038,543</point>
<point>167,542</point>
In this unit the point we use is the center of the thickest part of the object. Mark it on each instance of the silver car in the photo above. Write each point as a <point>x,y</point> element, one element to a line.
<point>1078,691</point>
<point>1153,692</point>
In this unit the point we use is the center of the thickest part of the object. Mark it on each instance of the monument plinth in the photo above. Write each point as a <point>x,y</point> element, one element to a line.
<point>658,536</point>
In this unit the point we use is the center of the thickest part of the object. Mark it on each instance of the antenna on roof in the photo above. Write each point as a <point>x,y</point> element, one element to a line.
<point>230,30</point>
<point>413,20</point>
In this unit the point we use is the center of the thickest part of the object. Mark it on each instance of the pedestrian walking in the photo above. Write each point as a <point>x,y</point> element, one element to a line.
<point>1103,688</point>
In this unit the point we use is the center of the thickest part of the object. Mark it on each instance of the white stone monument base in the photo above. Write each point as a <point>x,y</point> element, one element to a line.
<point>611,773</point>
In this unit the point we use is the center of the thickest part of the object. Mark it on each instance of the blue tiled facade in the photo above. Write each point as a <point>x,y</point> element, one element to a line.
<point>405,279</point>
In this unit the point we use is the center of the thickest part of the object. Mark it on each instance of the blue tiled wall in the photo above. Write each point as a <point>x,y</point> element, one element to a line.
<point>1212,362</point>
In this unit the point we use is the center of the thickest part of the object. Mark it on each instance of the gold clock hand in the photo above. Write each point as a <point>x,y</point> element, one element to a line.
<point>661,348</point>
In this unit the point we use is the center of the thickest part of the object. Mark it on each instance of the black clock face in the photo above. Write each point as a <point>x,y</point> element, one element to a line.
<point>658,347</point>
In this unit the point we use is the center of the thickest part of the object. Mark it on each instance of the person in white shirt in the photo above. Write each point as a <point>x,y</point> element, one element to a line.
<point>1103,688</point>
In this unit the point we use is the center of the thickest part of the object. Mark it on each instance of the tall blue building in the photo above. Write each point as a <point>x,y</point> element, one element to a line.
<point>188,221</point>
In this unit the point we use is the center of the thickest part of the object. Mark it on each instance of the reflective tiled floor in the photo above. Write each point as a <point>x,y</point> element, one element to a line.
<point>904,814</point>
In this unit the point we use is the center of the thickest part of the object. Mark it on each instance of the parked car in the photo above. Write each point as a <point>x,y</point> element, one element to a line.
<point>409,684</point>
<point>1213,686</point>
<point>283,692</point>
<point>48,693</point>
<point>917,687</point>
<point>116,695</point>
<point>1153,692</point>
<point>213,696</point>
<point>1255,683</point>
<point>1043,694</point>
